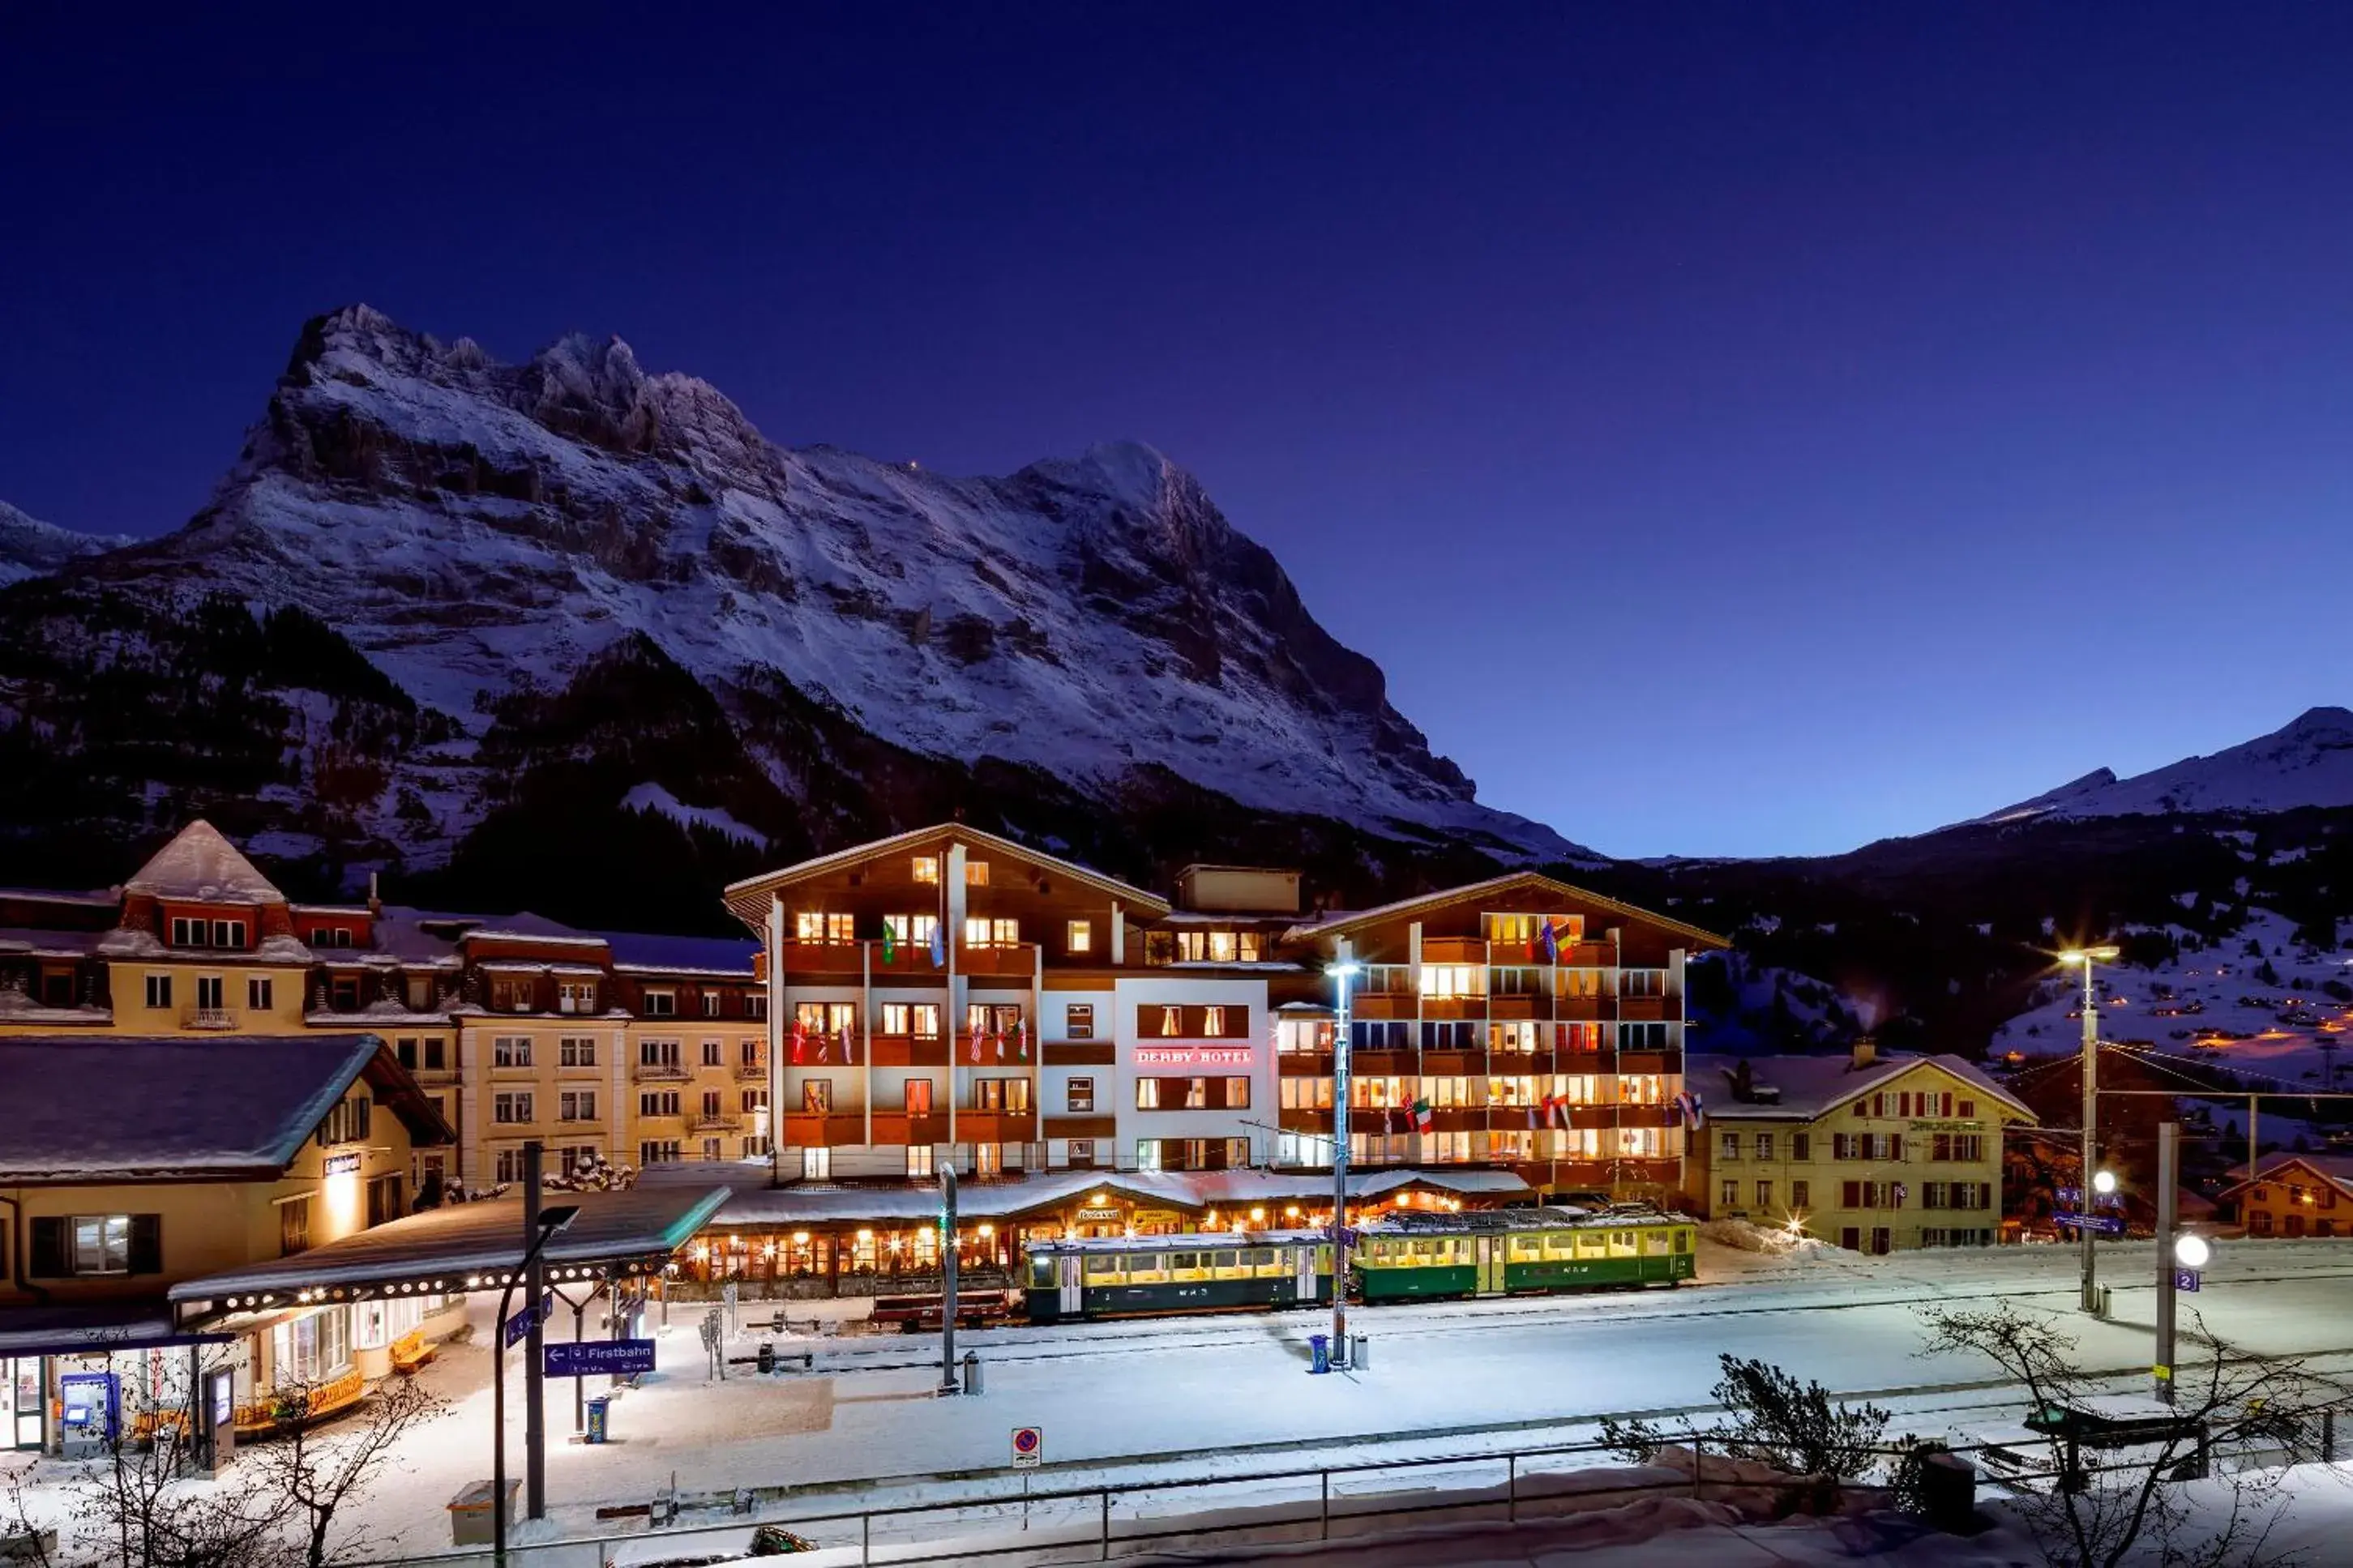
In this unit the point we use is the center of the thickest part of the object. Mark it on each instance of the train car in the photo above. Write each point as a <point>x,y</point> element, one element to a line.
<point>1506,1252</point>
<point>1067,1281</point>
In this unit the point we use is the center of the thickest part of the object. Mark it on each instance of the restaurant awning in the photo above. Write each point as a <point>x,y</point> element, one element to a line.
<point>464,1246</point>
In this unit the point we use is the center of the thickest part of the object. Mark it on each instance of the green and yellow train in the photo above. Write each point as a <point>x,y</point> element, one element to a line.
<point>1406,1257</point>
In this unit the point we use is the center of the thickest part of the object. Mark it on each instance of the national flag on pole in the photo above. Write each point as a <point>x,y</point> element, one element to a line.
<point>1533,1122</point>
<point>1689,1109</point>
<point>1422,1117</point>
<point>939,947</point>
<point>998,1036</point>
<point>800,1040</point>
<point>1560,1113</point>
<point>1023,1035</point>
<point>1546,942</point>
<point>890,942</point>
<point>848,1050</point>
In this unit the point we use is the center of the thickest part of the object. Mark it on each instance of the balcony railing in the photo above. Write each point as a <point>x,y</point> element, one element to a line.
<point>208,1019</point>
<point>659,1072</point>
<point>711,1121</point>
<point>749,1072</point>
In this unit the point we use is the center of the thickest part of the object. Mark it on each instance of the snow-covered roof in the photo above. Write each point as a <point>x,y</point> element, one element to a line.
<point>1330,921</point>
<point>748,899</point>
<point>209,1106</point>
<point>2334,1168</point>
<point>42,942</point>
<point>753,1203</point>
<point>81,1327</point>
<point>1811,1085</point>
<point>200,865</point>
<point>697,955</point>
<point>642,1225</point>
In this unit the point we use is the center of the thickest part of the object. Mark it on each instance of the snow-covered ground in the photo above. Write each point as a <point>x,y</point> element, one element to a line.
<point>1228,1397</point>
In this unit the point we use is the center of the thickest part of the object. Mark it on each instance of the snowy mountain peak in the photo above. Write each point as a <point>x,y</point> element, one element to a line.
<point>477,528</point>
<point>31,548</point>
<point>2307,762</point>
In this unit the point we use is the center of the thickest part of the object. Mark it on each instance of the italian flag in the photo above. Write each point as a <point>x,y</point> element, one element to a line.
<point>1421,1116</point>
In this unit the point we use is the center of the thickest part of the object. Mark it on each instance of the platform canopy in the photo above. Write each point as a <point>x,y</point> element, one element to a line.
<point>464,1246</point>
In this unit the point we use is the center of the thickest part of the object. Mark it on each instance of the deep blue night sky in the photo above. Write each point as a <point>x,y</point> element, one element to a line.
<point>1738,429</point>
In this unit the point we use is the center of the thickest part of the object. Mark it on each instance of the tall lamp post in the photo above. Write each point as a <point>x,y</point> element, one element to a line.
<point>1342,971</point>
<point>2085,957</point>
<point>549,1221</point>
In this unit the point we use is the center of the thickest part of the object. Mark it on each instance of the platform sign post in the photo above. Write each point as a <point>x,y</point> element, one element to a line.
<point>1028,1448</point>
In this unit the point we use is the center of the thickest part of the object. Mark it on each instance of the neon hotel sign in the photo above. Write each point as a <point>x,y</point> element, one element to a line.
<point>1192,1055</point>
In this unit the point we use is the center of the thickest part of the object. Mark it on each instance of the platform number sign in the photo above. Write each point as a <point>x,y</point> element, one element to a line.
<point>1028,1446</point>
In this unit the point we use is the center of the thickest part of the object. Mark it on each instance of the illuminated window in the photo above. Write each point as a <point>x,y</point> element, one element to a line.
<point>1079,1022</point>
<point>1172,1022</point>
<point>1443,981</point>
<point>1213,1022</point>
<point>912,931</point>
<point>1080,937</point>
<point>927,868</point>
<point>816,926</point>
<point>976,873</point>
<point>980,932</point>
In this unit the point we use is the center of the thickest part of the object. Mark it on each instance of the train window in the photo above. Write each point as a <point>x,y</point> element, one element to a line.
<point>1560,1243</point>
<point>1102,1265</point>
<point>1261,1256</point>
<point>1041,1273</point>
<point>1424,1252</point>
<point>1526,1249</point>
<point>1227,1259</point>
<point>1621,1243</point>
<point>1147,1268</point>
<point>1683,1241</point>
<point>1591,1244</point>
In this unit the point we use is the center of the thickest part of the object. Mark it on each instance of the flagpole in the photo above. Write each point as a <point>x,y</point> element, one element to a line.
<point>1342,970</point>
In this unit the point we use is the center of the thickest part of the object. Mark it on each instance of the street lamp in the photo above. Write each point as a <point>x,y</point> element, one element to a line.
<point>2086,957</point>
<point>1342,970</point>
<point>551,1220</point>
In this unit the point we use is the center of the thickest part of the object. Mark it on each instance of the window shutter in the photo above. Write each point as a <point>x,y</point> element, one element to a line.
<point>1853,1195</point>
<point>48,1242</point>
<point>146,1244</point>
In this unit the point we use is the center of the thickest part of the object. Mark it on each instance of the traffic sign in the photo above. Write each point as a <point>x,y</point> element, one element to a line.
<point>520,1324</point>
<point>601,1358</point>
<point>2185,1280</point>
<point>1028,1446</point>
<point>2070,1195</point>
<point>2103,1224</point>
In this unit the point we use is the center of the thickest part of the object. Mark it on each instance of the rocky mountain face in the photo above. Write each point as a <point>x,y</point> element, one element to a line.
<point>447,615</point>
<point>2308,762</point>
<point>29,547</point>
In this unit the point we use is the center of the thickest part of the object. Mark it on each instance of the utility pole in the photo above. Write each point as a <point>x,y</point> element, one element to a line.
<point>534,1372</point>
<point>1341,970</point>
<point>2087,957</point>
<point>948,1384</point>
<point>2168,1153</point>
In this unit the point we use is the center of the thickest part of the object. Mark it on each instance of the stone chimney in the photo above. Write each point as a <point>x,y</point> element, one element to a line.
<point>1866,1051</point>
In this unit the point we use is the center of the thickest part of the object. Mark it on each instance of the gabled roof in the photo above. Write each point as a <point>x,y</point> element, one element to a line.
<point>201,865</point>
<point>749,897</point>
<point>1333,924</point>
<point>729,955</point>
<point>2337,1170</point>
<point>1813,1086</point>
<point>205,1108</point>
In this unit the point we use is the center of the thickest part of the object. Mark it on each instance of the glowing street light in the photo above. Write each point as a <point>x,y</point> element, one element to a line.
<point>2087,957</point>
<point>1342,970</point>
<point>2104,1182</point>
<point>2191,1251</point>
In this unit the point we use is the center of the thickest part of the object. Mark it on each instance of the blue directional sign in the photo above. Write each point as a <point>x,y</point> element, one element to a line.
<point>2185,1280</point>
<point>599,1358</point>
<point>2070,1195</point>
<point>520,1324</point>
<point>2100,1224</point>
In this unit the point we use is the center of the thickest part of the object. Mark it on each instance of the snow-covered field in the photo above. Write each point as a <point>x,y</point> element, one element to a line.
<point>1228,1397</point>
<point>2211,1007</point>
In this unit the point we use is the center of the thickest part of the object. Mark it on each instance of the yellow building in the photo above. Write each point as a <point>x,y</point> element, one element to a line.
<point>2294,1194</point>
<point>134,1162</point>
<point>1874,1152</point>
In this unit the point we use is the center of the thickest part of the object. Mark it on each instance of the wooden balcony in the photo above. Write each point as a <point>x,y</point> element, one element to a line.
<point>1645,1115</point>
<point>996,1126</point>
<point>1507,1008</point>
<point>803,958</point>
<point>1019,961</point>
<point>828,1129</point>
<point>1382,1005</point>
<point>1082,1126</point>
<point>1452,1063</point>
<point>1458,1119</point>
<point>1080,1054</point>
<point>1377,1064</point>
<point>1648,1009</point>
<point>1453,950</point>
<point>1590,955</point>
<point>910,963</point>
<point>1446,1007</point>
<point>1515,953</point>
<point>1303,1121</point>
<point>910,1050</point>
<point>1311,1064</point>
<point>1650,1061</point>
<point>1582,1009</point>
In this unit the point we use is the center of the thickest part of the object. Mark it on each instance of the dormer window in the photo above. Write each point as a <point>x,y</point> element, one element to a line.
<point>331,936</point>
<point>661,1003</point>
<point>190,931</point>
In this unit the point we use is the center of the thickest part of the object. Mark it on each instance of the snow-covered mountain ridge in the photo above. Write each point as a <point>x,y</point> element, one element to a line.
<point>29,547</point>
<point>2308,762</point>
<point>483,532</point>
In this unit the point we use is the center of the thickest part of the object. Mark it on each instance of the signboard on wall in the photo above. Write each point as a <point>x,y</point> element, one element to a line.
<point>343,1164</point>
<point>1193,1057</point>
